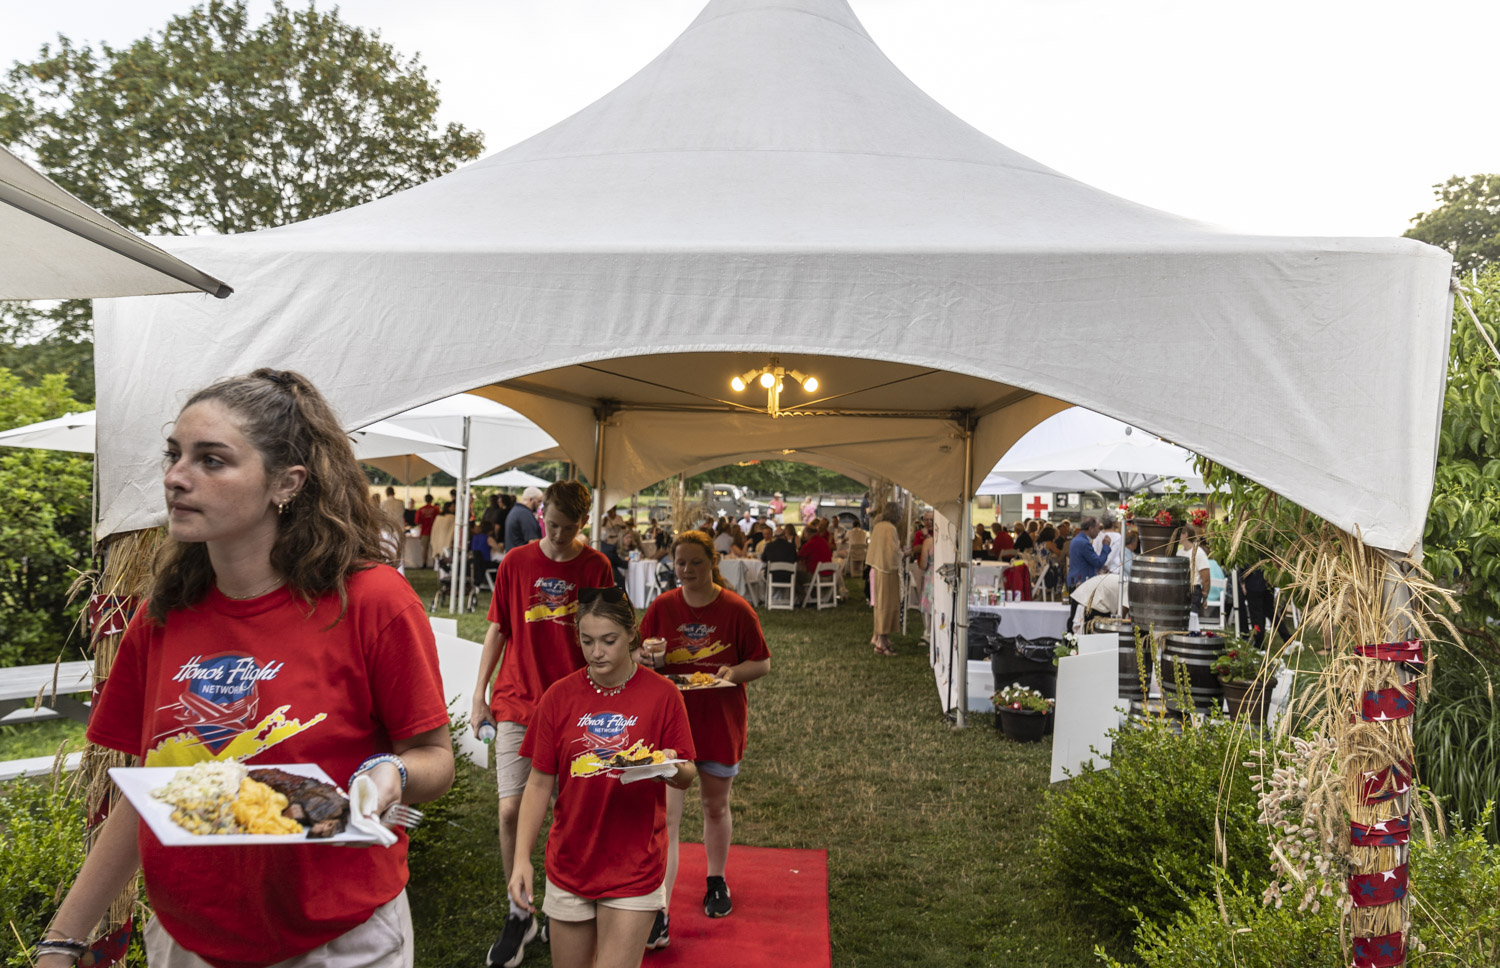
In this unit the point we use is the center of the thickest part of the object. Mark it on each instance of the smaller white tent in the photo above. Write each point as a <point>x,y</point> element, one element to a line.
<point>511,478</point>
<point>53,246</point>
<point>497,436</point>
<point>1079,450</point>
<point>71,432</point>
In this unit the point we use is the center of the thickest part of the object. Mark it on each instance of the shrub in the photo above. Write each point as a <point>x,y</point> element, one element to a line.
<point>1457,735</point>
<point>1137,838</point>
<point>1455,919</point>
<point>41,849</point>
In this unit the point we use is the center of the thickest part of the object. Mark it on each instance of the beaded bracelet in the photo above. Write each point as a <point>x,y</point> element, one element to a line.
<point>376,760</point>
<point>70,946</point>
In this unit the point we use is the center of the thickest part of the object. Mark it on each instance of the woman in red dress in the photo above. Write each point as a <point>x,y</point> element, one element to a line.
<point>709,629</point>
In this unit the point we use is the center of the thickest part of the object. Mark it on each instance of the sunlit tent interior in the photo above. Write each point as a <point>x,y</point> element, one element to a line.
<point>771,191</point>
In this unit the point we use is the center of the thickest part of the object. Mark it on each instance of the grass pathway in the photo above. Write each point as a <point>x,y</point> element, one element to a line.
<point>927,828</point>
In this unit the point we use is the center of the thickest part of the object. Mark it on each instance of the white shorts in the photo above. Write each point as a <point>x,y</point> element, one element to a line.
<point>567,906</point>
<point>384,941</point>
<point>511,768</point>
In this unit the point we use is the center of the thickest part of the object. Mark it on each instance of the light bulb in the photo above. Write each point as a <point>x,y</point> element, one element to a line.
<point>768,380</point>
<point>780,386</point>
<point>737,384</point>
<point>810,384</point>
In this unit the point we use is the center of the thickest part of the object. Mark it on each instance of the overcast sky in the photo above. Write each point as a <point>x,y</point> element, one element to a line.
<point>1314,117</point>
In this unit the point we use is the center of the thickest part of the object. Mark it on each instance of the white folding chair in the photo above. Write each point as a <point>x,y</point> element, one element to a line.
<point>781,585</point>
<point>1214,608</point>
<point>822,590</point>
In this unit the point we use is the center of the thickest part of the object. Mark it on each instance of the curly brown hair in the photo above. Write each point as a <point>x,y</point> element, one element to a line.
<point>326,534</point>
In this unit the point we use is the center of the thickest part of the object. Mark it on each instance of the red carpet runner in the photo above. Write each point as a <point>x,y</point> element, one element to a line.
<point>780,913</point>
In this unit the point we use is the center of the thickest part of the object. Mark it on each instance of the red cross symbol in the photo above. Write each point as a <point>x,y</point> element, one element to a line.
<point>1037,506</point>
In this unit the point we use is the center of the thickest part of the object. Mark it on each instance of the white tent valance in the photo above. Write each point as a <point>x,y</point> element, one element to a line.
<point>772,184</point>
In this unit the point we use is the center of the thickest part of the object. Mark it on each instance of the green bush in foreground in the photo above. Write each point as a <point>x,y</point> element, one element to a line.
<point>1455,920</point>
<point>41,849</point>
<point>1137,838</point>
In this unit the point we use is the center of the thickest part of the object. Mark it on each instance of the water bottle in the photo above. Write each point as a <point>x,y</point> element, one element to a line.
<point>486,732</point>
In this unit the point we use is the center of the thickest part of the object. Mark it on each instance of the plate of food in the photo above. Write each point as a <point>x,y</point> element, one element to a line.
<point>216,804</point>
<point>701,680</point>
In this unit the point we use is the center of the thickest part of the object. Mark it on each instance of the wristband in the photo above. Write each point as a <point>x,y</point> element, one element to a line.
<point>70,946</point>
<point>376,760</point>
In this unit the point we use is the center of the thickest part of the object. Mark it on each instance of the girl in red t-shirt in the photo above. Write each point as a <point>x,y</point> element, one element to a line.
<point>708,628</point>
<point>274,633</point>
<point>607,850</point>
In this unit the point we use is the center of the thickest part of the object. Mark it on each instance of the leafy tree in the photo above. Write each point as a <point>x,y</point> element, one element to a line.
<point>1466,221</point>
<point>220,125</point>
<point>44,526</point>
<point>788,477</point>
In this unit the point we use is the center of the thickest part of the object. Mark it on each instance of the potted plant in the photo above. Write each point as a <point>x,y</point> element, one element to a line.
<point>1022,713</point>
<point>1158,517</point>
<point>1246,676</point>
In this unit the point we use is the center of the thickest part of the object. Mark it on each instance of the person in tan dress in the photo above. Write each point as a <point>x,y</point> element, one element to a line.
<point>884,559</point>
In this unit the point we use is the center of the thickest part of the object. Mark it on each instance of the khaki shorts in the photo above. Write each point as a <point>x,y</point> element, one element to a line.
<point>567,906</point>
<point>384,941</point>
<point>511,768</point>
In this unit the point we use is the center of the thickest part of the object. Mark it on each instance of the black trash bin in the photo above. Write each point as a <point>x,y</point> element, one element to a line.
<point>1025,661</point>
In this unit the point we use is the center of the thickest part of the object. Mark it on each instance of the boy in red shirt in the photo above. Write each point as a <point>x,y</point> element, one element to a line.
<point>532,620</point>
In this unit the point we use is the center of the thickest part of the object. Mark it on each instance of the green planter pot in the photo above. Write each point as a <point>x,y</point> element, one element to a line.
<point>1023,725</point>
<point>1250,700</point>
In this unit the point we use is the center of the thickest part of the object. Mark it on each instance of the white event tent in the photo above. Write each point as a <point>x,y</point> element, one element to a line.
<point>772,185</point>
<point>496,436</point>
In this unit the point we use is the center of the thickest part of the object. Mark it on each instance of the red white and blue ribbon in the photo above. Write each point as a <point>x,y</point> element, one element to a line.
<point>1382,785</point>
<point>1381,887</point>
<point>1387,833</point>
<point>112,948</point>
<point>1381,951</point>
<point>1384,705</point>
<point>1409,652</point>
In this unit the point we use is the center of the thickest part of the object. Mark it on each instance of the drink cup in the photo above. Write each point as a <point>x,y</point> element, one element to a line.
<point>657,650</point>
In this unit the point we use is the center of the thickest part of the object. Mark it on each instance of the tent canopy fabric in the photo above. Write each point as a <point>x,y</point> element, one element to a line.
<point>53,246</point>
<point>772,184</point>
<point>71,432</point>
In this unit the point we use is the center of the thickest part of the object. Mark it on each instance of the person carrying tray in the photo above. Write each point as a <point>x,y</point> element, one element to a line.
<point>607,850</point>
<point>708,628</point>
<point>275,632</point>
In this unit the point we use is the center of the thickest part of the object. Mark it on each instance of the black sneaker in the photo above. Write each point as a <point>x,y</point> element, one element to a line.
<point>543,929</point>
<point>658,938</point>
<point>716,903</point>
<point>510,947</point>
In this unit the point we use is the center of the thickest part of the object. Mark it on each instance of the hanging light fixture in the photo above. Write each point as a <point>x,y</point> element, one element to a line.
<point>772,378</point>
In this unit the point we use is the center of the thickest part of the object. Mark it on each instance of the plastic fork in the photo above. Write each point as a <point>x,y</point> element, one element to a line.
<point>400,815</point>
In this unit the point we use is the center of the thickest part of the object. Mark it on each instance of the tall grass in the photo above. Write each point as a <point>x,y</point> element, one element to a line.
<point>1457,737</point>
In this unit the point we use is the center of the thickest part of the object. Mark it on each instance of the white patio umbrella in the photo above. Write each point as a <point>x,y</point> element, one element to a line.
<point>1078,450</point>
<point>511,478</point>
<point>74,432</point>
<point>53,246</point>
<point>71,432</point>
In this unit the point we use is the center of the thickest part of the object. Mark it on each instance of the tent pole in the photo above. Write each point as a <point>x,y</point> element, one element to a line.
<point>458,572</point>
<point>595,510</point>
<point>960,641</point>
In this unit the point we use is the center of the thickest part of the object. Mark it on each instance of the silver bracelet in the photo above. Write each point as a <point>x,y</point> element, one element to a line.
<point>374,761</point>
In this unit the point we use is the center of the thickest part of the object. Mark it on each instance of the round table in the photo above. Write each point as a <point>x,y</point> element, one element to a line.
<point>745,577</point>
<point>1029,620</point>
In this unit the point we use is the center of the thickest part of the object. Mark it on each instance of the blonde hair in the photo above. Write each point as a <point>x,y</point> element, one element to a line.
<point>702,540</point>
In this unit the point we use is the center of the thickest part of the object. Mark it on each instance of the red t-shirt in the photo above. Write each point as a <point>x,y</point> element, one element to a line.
<point>724,632</point>
<point>535,602</point>
<point>608,839</point>
<point>1002,541</point>
<point>426,514</point>
<point>263,681</point>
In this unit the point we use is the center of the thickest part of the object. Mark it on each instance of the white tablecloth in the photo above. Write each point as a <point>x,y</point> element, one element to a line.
<point>1031,620</point>
<point>412,551</point>
<point>986,573</point>
<point>638,580</point>
<point>744,576</point>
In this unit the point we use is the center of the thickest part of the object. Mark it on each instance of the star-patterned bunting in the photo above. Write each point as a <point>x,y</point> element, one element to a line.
<point>1383,951</point>
<point>1381,887</point>
<point>1387,833</point>
<point>1383,705</point>
<point>1384,784</point>
<point>1409,652</point>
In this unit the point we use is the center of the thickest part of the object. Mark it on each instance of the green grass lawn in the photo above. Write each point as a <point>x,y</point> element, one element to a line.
<point>928,829</point>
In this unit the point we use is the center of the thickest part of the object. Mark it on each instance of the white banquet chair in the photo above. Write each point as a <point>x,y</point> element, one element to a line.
<point>822,590</point>
<point>781,585</point>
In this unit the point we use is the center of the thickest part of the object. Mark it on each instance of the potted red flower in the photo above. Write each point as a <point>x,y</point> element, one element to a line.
<point>1022,714</point>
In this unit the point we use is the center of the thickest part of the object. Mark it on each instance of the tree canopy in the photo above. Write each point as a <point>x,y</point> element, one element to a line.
<point>1466,221</point>
<point>217,124</point>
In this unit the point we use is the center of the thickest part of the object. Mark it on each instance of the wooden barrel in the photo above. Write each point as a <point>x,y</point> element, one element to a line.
<point>1195,654</point>
<point>1159,593</point>
<point>1130,677</point>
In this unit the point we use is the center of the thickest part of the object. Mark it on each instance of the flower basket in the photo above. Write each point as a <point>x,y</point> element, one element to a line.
<point>1023,725</point>
<point>1248,699</point>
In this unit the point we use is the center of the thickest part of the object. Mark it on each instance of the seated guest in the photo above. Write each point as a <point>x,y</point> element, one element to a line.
<point>739,545</point>
<point>723,536</point>
<point>780,547</point>
<point>815,549</point>
<point>630,541</point>
<point>483,546</point>
<point>1025,536</point>
<point>980,546</point>
<point>758,534</point>
<point>1002,546</point>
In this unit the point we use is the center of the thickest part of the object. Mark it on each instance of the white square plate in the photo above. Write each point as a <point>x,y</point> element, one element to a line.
<point>137,782</point>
